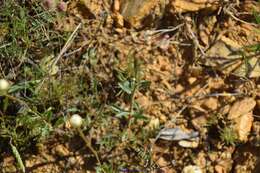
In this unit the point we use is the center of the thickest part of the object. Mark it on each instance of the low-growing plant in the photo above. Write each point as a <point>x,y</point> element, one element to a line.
<point>26,32</point>
<point>130,81</point>
<point>105,168</point>
<point>228,136</point>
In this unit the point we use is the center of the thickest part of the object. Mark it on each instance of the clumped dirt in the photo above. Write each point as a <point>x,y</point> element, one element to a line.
<point>203,77</point>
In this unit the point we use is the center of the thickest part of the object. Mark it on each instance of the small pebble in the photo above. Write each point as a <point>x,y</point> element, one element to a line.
<point>191,169</point>
<point>188,144</point>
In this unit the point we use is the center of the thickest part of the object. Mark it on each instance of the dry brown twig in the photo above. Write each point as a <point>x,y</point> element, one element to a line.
<point>162,31</point>
<point>228,10</point>
<point>194,38</point>
<point>66,46</point>
<point>62,52</point>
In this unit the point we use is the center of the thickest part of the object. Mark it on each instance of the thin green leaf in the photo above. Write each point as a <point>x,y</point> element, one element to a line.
<point>17,157</point>
<point>125,86</point>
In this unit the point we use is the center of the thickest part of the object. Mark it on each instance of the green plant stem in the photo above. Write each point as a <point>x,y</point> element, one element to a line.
<point>17,157</point>
<point>20,101</point>
<point>88,144</point>
<point>131,109</point>
<point>15,99</point>
<point>132,98</point>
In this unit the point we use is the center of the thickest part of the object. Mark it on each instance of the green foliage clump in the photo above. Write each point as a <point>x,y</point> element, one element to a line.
<point>228,136</point>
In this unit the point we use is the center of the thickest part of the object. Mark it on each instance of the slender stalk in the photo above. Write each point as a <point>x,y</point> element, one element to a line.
<point>88,144</point>
<point>15,99</point>
<point>132,96</point>
<point>17,157</point>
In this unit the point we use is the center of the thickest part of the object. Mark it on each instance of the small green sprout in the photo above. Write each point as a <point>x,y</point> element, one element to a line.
<point>228,136</point>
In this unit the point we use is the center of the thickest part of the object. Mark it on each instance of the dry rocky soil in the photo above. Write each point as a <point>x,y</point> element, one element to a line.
<point>164,86</point>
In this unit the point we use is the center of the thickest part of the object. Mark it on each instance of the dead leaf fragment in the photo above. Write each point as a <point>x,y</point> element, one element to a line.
<point>241,107</point>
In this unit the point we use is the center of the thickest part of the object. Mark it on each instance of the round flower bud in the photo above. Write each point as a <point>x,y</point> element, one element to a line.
<point>62,6</point>
<point>4,85</point>
<point>76,120</point>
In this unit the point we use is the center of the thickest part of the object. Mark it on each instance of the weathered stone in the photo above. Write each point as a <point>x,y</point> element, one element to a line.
<point>191,169</point>
<point>141,13</point>
<point>210,104</point>
<point>243,126</point>
<point>189,144</point>
<point>241,107</point>
<point>180,6</point>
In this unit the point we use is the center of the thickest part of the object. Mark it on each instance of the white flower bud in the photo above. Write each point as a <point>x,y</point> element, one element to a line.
<point>4,85</point>
<point>76,120</point>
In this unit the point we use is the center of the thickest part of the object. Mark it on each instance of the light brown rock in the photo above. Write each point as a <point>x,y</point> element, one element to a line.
<point>213,156</point>
<point>116,5</point>
<point>216,83</point>
<point>220,169</point>
<point>211,103</point>
<point>258,104</point>
<point>224,166</point>
<point>243,126</point>
<point>201,160</point>
<point>179,88</point>
<point>180,6</point>
<point>119,20</point>
<point>61,150</point>
<point>94,7</point>
<point>200,123</point>
<point>225,109</point>
<point>191,169</point>
<point>162,162</point>
<point>192,80</point>
<point>241,107</point>
<point>188,144</point>
<point>141,12</point>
